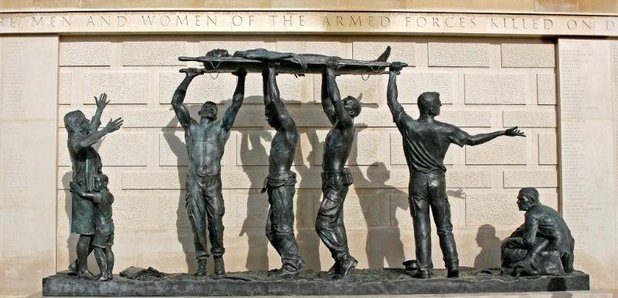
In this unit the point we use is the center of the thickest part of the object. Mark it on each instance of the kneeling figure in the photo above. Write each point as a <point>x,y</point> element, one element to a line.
<point>543,245</point>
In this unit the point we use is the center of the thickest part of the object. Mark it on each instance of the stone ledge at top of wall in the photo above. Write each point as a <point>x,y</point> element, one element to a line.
<point>598,6</point>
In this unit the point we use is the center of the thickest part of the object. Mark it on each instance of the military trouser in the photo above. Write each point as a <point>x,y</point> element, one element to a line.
<point>204,204</point>
<point>280,221</point>
<point>429,190</point>
<point>329,222</point>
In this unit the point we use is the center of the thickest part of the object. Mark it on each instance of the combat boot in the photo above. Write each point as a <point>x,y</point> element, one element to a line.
<point>452,271</point>
<point>286,271</point>
<point>334,269</point>
<point>73,268</point>
<point>347,265</point>
<point>422,274</point>
<point>201,267</point>
<point>219,266</point>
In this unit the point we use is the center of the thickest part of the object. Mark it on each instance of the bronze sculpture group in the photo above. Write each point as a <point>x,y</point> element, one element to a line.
<point>542,245</point>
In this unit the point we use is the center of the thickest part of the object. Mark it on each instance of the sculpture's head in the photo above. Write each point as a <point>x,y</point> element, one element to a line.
<point>527,198</point>
<point>217,53</point>
<point>352,106</point>
<point>100,181</point>
<point>75,121</point>
<point>429,103</point>
<point>271,116</point>
<point>209,111</point>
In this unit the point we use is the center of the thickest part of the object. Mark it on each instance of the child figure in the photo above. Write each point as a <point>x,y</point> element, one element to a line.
<point>104,226</point>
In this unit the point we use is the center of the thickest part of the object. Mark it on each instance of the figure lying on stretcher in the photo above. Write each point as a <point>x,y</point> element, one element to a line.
<point>219,60</point>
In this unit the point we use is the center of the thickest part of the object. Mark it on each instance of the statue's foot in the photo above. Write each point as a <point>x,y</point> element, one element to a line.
<point>86,274</point>
<point>334,269</point>
<point>411,265</point>
<point>452,273</point>
<point>104,277</point>
<point>422,274</point>
<point>347,266</point>
<point>300,264</point>
<point>201,268</point>
<point>219,266</point>
<point>73,268</point>
<point>285,272</point>
<point>452,270</point>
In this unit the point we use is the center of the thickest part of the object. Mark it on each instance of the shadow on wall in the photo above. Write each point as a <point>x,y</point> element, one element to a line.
<point>486,239</point>
<point>307,238</point>
<point>384,248</point>
<point>257,203</point>
<point>383,245</point>
<point>72,240</point>
<point>183,225</point>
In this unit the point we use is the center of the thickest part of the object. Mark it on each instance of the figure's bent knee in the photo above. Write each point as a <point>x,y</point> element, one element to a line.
<point>445,231</point>
<point>324,220</point>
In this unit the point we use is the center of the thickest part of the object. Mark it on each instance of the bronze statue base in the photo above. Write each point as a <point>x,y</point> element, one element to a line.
<point>360,282</point>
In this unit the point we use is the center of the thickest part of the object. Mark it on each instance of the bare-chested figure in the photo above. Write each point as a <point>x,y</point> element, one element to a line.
<point>335,177</point>
<point>205,144</point>
<point>280,182</point>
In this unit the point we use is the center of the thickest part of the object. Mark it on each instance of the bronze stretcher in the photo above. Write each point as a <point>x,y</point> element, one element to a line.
<point>299,64</point>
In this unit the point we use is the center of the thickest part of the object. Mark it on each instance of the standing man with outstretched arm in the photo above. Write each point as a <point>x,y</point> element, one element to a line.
<point>281,181</point>
<point>86,164</point>
<point>205,144</point>
<point>425,142</point>
<point>336,178</point>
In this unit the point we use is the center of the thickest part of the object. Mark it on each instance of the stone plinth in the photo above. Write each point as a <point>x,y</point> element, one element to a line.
<point>361,282</point>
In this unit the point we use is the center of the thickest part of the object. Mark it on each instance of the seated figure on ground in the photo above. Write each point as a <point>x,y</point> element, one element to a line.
<point>542,245</point>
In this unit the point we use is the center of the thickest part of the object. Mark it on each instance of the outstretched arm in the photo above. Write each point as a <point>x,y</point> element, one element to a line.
<point>93,137</point>
<point>333,90</point>
<point>237,99</point>
<point>327,103</point>
<point>392,93</point>
<point>101,103</point>
<point>182,113</point>
<point>486,137</point>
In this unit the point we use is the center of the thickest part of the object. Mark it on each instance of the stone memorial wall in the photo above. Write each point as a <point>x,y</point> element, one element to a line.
<point>552,74</point>
<point>28,111</point>
<point>486,84</point>
<point>589,94</point>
